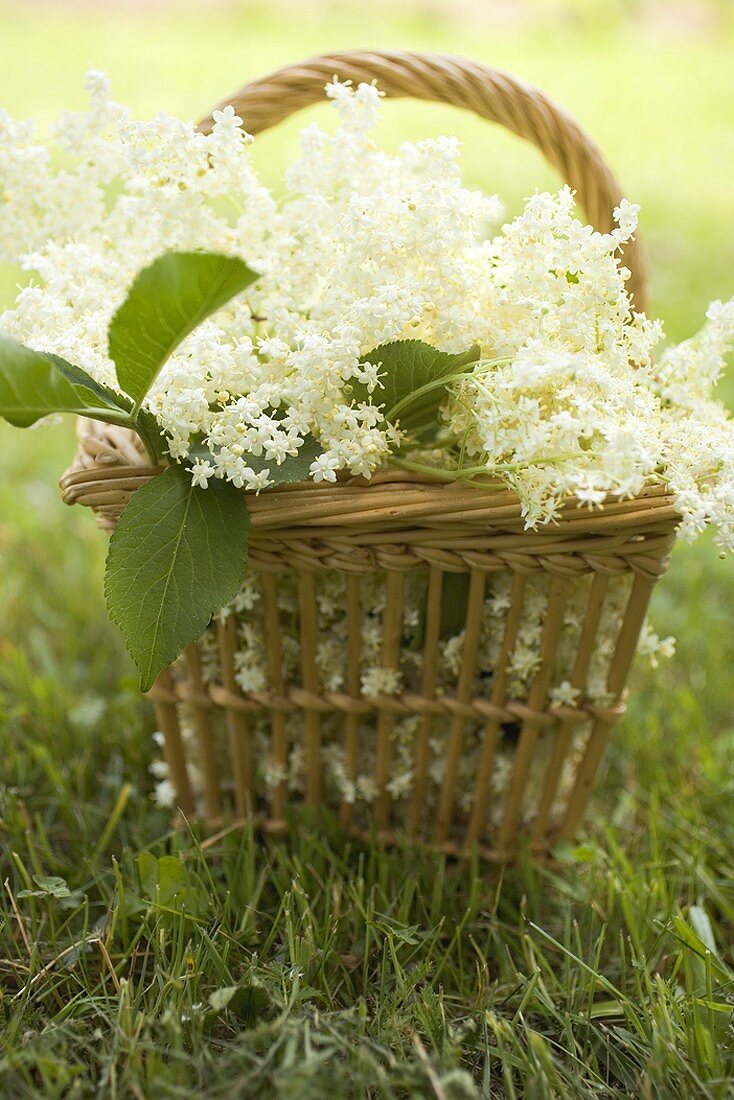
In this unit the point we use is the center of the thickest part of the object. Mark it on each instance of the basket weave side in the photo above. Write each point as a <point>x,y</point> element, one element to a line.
<point>445,718</point>
<point>490,93</point>
<point>395,525</point>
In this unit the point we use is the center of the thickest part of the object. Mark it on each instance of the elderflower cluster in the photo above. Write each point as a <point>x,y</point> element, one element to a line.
<point>358,786</point>
<point>564,397</point>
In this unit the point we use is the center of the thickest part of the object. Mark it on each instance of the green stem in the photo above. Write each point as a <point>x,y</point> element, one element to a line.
<point>441,383</point>
<point>436,471</point>
<point>151,442</point>
<point>109,417</point>
<point>466,473</point>
<point>434,384</point>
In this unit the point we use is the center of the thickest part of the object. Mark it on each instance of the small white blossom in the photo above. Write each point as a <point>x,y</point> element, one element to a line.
<point>564,694</point>
<point>165,794</point>
<point>201,472</point>
<point>380,681</point>
<point>324,468</point>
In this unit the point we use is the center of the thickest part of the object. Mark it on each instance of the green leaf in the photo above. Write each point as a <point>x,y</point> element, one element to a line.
<point>293,468</point>
<point>700,922</point>
<point>220,998</point>
<point>106,397</point>
<point>48,886</point>
<point>171,887</point>
<point>249,1002</point>
<point>34,384</point>
<point>165,303</point>
<point>682,931</point>
<point>600,1010</point>
<point>148,874</point>
<point>414,378</point>
<point>177,555</point>
<point>172,880</point>
<point>454,605</point>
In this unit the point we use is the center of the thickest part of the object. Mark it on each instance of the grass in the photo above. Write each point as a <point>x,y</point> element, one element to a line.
<point>162,966</point>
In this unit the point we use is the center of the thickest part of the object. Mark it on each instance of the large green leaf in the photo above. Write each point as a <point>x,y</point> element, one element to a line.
<point>165,303</point>
<point>106,398</point>
<point>412,373</point>
<point>34,384</point>
<point>177,555</point>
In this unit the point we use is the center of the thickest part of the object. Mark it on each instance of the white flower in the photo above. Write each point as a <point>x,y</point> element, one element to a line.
<point>367,248</point>
<point>324,468</point>
<point>626,215</point>
<point>367,788</point>
<point>564,694</point>
<point>97,85</point>
<point>226,120</point>
<point>274,774</point>
<point>380,681</point>
<point>654,647</point>
<point>164,794</point>
<point>201,472</point>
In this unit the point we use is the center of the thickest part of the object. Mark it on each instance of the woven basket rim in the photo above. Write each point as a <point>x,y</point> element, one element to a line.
<point>392,497</point>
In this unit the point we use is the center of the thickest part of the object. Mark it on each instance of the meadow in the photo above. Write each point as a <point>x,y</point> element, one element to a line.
<point>325,968</point>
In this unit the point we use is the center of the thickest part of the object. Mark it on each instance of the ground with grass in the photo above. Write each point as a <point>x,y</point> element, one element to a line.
<point>136,962</point>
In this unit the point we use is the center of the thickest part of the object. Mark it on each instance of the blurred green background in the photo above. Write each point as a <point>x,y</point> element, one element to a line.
<point>654,84</point>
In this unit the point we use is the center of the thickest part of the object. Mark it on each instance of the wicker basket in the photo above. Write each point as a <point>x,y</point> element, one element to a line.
<point>400,529</point>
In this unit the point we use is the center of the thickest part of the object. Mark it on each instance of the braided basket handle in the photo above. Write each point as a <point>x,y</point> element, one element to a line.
<point>490,93</point>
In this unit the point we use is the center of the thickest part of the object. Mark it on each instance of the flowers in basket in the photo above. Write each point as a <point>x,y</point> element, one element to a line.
<point>379,313</point>
<point>357,786</point>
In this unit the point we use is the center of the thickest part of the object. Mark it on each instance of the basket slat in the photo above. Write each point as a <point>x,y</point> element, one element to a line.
<point>166,714</point>
<point>240,749</point>
<point>624,653</point>
<point>430,668</point>
<point>478,816</point>
<point>200,701</point>
<point>278,734</point>
<point>578,681</point>
<point>310,679</point>
<point>469,656</point>
<point>536,701</point>
<point>391,645</point>
<point>353,685</point>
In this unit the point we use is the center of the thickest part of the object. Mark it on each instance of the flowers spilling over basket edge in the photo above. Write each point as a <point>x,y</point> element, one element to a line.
<point>369,317</point>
